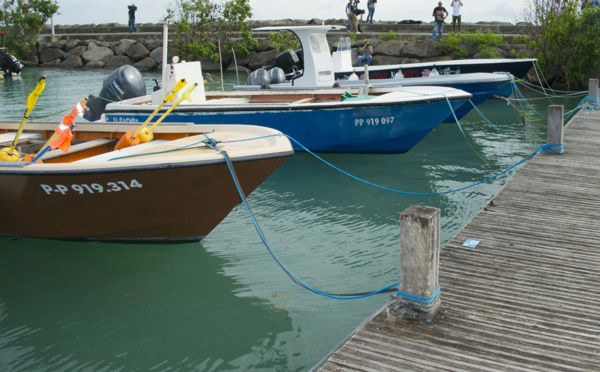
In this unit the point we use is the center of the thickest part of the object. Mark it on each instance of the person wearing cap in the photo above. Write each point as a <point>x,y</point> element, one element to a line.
<point>367,54</point>
<point>132,8</point>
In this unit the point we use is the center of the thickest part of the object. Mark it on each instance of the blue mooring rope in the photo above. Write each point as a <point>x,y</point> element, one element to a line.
<point>423,300</point>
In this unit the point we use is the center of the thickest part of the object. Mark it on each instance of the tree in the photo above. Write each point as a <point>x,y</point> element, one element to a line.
<point>22,21</point>
<point>204,24</point>
<point>567,40</point>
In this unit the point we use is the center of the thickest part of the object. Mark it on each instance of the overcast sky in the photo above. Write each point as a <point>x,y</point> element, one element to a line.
<point>151,11</point>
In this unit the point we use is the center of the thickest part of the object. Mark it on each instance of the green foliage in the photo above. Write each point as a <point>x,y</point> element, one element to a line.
<point>352,35</point>
<point>521,39</point>
<point>204,24</point>
<point>567,42</point>
<point>390,35</point>
<point>284,40</point>
<point>465,44</point>
<point>22,21</point>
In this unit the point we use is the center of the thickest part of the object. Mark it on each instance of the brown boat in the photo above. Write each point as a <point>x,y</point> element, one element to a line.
<point>176,188</point>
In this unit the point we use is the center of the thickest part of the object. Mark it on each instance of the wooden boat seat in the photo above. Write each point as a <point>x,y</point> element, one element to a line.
<point>122,152</point>
<point>304,100</point>
<point>7,138</point>
<point>229,101</point>
<point>77,148</point>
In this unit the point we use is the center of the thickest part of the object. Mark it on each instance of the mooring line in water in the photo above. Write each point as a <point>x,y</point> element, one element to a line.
<point>338,296</point>
<point>465,135</point>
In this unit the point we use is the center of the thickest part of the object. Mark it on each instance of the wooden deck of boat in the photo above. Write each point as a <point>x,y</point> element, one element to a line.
<point>527,298</point>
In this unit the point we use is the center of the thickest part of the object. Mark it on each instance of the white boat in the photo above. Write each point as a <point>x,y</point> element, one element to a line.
<point>319,69</point>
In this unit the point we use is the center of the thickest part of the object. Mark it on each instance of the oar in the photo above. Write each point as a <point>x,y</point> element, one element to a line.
<point>128,140</point>
<point>10,153</point>
<point>131,139</point>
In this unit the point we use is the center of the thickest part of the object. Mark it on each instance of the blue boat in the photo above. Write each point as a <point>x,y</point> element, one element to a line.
<point>328,121</point>
<point>318,68</point>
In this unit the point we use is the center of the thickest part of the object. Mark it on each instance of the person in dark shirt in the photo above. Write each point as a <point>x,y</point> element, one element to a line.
<point>132,8</point>
<point>439,13</point>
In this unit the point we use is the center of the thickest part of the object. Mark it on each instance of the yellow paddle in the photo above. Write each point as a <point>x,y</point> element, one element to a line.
<point>10,153</point>
<point>129,140</point>
<point>186,95</point>
<point>169,97</point>
<point>141,135</point>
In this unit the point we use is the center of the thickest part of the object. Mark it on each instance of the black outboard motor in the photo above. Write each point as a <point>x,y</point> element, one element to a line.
<point>9,65</point>
<point>300,64</point>
<point>258,77</point>
<point>123,83</point>
<point>286,61</point>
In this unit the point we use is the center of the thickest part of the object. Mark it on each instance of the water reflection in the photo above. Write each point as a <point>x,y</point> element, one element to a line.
<point>107,306</point>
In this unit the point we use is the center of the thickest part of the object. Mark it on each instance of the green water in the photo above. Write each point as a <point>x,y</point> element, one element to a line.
<point>224,304</point>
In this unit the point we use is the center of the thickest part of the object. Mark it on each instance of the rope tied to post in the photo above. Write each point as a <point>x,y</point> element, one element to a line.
<point>421,299</point>
<point>551,147</point>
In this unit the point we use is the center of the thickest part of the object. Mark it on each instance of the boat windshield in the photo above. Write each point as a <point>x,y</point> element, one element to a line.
<point>318,43</point>
<point>343,44</point>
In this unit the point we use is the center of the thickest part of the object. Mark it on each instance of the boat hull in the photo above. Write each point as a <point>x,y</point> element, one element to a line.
<point>516,67</point>
<point>146,203</point>
<point>366,127</point>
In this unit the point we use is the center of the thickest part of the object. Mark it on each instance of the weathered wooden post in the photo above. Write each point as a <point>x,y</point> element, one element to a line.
<point>418,297</point>
<point>593,91</point>
<point>554,141</point>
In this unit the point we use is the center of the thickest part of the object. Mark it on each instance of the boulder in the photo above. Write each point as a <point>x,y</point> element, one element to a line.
<point>153,44</point>
<point>94,64</point>
<point>137,52</point>
<point>386,60</point>
<point>54,62</point>
<point>72,62</point>
<point>97,53</point>
<point>72,44</point>
<point>77,51</point>
<point>392,48</point>
<point>121,47</point>
<point>156,54</point>
<point>419,50</point>
<point>265,44</point>
<point>51,54</point>
<point>262,59</point>
<point>118,61</point>
<point>146,64</point>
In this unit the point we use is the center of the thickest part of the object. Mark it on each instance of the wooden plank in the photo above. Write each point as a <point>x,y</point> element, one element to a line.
<point>526,298</point>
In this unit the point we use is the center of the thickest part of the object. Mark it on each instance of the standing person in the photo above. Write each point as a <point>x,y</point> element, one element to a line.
<point>439,13</point>
<point>456,5</point>
<point>355,21</point>
<point>371,7</point>
<point>349,9</point>
<point>367,55</point>
<point>132,8</point>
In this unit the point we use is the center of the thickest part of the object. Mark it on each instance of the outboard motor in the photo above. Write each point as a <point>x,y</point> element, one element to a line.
<point>9,65</point>
<point>287,60</point>
<point>276,76</point>
<point>123,83</point>
<point>258,77</point>
<point>300,64</point>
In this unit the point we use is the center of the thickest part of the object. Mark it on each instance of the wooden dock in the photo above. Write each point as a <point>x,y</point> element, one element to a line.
<point>527,298</point>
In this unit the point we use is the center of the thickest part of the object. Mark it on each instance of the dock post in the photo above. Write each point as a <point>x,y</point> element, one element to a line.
<point>418,297</point>
<point>593,91</point>
<point>554,141</point>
